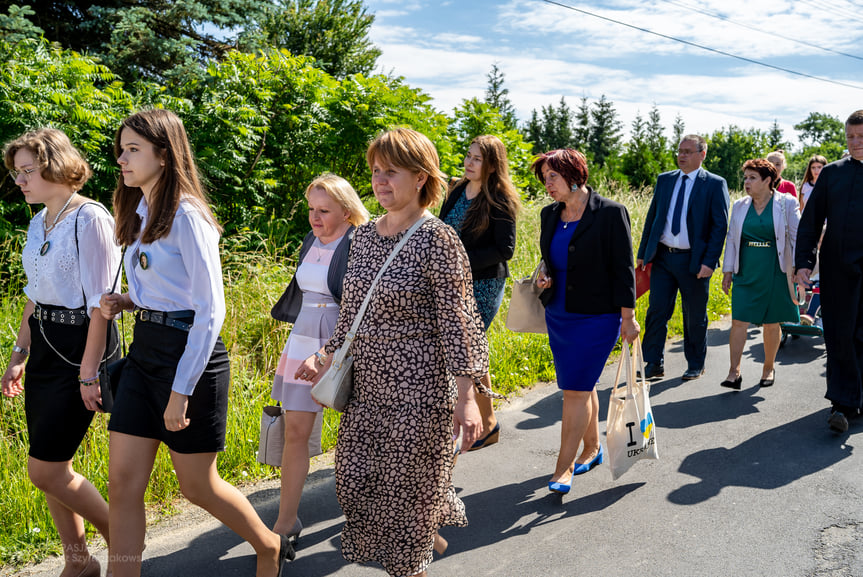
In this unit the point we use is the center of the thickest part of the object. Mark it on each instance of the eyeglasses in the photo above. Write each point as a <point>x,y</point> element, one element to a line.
<point>25,173</point>
<point>685,152</point>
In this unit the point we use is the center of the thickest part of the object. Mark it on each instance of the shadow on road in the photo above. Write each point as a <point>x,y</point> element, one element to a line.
<point>771,459</point>
<point>727,405</point>
<point>515,509</point>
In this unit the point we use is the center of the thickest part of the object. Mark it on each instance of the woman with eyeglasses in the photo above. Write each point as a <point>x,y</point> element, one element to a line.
<point>69,258</point>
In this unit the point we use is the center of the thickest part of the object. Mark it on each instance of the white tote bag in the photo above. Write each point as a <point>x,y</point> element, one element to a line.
<point>630,427</point>
<point>526,312</point>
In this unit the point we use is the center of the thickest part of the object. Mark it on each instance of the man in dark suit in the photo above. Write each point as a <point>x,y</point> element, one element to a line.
<point>683,236</point>
<point>838,199</point>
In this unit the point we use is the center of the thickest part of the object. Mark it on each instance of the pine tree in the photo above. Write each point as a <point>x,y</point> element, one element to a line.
<point>581,130</point>
<point>775,137</point>
<point>497,96</point>
<point>679,130</point>
<point>334,32</point>
<point>604,141</point>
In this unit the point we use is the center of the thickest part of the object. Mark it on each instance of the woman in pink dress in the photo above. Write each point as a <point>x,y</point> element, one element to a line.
<point>311,302</point>
<point>777,159</point>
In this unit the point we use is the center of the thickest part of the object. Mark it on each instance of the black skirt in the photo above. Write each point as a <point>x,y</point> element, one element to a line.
<point>145,388</point>
<point>57,419</point>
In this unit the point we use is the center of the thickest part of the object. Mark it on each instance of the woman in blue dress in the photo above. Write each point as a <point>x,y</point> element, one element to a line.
<point>482,208</point>
<point>589,298</point>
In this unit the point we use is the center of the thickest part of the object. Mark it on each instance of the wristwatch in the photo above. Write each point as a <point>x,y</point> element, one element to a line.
<point>322,358</point>
<point>23,351</point>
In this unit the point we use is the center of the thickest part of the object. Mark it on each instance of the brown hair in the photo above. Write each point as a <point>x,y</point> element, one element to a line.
<point>408,149</point>
<point>164,130</point>
<point>855,118</point>
<point>57,159</point>
<point>764,168</point>
<point>341,191</point>
<point>497,190</point>
<point>807,177</point>
<point>568,162</point>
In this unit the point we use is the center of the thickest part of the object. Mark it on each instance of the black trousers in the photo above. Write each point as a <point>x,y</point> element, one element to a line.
<point>842,313</point>
<point>670,274</point>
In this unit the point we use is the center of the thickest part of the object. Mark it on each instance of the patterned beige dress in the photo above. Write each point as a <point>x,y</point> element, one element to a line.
<point>394,451</point>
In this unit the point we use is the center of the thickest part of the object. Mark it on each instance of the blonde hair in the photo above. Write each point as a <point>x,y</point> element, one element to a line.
<point>777,158</point>
<point>408,149</point>
<point>57,159</point>
<point>343,193</point>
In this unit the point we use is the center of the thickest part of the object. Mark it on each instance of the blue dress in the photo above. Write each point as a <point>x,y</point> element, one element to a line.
<point>580,343</point>
<point>488,292</point>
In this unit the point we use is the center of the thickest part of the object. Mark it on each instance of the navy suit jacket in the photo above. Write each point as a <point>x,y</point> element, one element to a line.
<point>706,218</point>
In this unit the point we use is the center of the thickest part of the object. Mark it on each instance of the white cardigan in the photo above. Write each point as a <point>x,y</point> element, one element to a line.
<point>785,243</point>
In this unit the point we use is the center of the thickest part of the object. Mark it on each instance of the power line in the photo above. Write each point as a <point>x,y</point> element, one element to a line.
<point>702,47</point>
<point>756,29</point>
<point>832,7</point>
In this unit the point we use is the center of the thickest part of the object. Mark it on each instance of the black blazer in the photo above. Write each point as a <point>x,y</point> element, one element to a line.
<point>600,274</point>
<point>489,251</point>
<point>288,306</point>
<point>839,184</point>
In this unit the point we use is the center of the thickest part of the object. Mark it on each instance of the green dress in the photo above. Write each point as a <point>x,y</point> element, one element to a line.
<point>760,289</point>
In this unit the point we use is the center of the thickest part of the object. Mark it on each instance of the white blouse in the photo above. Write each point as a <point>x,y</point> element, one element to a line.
<point>64,274</point>
<point>183,273</point>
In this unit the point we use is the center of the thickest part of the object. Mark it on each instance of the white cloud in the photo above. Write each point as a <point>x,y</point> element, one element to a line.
<point>546,54</point>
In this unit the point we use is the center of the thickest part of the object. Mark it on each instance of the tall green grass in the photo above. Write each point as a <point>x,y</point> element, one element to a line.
<point>255,275</point>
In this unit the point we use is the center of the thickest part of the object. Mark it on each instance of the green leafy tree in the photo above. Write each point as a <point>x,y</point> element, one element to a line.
<point>147,39</point>
<point>334,32</point>
<point>821,134</point>
<point>16,25</point>
<point>498,97</point>
<point>730,147</point>
<point>474,118</point>
<point>605,132</point>
<point>639,163</point>
<point>42,85</point>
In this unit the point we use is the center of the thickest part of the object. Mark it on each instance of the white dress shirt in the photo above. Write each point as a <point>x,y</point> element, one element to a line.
<point>681,240</point>
<point>184,273</point>
<point>64,275</point>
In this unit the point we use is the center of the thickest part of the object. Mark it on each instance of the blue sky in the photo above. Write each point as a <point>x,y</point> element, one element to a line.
<point>446,48</point>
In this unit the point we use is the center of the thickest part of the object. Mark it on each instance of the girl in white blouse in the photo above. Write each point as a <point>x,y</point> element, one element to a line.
<point>174,386</point>
<point>69,257</point>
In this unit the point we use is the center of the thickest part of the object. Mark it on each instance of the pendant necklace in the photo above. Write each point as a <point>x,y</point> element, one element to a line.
<point>47,244</point>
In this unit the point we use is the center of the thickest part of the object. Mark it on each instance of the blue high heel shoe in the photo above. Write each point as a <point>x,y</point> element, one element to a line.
<point>582,468</point>
<point>562,488</point>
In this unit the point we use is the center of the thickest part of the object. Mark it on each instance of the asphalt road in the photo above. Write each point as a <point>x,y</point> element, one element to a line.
<point>749,483</point>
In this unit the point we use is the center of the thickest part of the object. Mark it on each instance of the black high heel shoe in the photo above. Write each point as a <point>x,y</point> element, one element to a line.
<point>735,384</point>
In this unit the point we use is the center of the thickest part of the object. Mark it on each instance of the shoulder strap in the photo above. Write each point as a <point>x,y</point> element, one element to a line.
<point>349,338</point>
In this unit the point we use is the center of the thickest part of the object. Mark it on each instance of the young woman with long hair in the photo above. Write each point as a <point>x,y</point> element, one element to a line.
<point>174,387</point>
<point>482,208</point>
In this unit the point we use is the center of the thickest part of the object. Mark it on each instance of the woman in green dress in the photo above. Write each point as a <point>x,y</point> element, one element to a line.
<point>758,249</point>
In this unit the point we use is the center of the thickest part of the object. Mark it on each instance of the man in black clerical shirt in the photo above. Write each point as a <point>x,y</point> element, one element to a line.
<point>838,199</point>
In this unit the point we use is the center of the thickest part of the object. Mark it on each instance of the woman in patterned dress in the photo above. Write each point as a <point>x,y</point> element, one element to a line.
<point>70,243</point>
<point>482,208</point>
<point>416,354</point>
<point>311,302</point>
